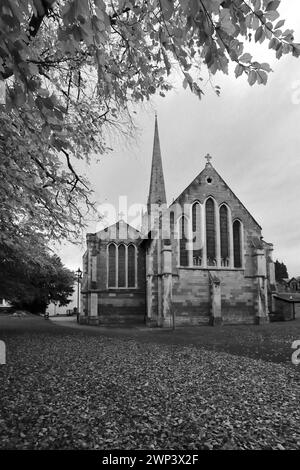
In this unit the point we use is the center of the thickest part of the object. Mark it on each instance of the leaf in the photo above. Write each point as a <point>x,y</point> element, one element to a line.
<point>255,22</point>
<point>215,5</point>
<point>246,58</point>
<point>167,7</point>
<point>265,66</point>
<point>272,15</point>
<point>257,5</point>
<point>226,22</point>
<point>262,77</point>
<point>48,102</point>
<point>238,70</point>
<point>279,24</point>
<point>296,50</point>
<point>273,5</point>
<point>258,34</point>
<point>252,76</point>
<point>208,56</point>
<point>43,92</point>
<point>273,43</point>
<point>279,50</point>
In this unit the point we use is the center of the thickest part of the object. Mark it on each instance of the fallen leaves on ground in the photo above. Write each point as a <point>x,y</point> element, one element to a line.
<point>65,389</point>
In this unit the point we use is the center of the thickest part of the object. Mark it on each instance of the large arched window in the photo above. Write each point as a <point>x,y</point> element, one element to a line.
<point>196,227</point>
<point>210,232</point>
<point>237,244</point>
<point>122,266</point>
<point>183,232</point>
<point>112,280</point>
<point>224,235</point>
<point>131,266</point>
<point>171,224</point>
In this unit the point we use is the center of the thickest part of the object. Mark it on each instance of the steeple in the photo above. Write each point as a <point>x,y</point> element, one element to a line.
<point>157,193</point>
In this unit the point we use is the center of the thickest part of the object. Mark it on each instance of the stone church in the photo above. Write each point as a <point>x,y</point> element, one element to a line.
<point>200,261</point>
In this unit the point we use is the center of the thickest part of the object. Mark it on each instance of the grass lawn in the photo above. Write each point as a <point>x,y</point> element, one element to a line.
<point>232,387</point>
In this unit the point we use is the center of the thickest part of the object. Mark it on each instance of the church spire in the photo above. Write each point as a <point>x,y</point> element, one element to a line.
<point>157,193</point>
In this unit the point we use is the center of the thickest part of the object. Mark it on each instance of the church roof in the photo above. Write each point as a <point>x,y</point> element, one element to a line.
<point>119,230</point>
<point>209,171</point>
<point>157,192</point>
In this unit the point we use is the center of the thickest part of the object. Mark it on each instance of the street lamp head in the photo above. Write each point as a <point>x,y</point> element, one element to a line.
<point>78,273</point>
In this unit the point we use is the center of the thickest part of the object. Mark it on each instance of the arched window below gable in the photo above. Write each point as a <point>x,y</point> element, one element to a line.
<point>121,266</point>
<point>210,232</point>
<point>171,224</point>
<point>183,238</point>
<point>131,266</point>
<point>224,235</point>
<point>237,244</point>
<point>197,238</point>
<point>112,272</point>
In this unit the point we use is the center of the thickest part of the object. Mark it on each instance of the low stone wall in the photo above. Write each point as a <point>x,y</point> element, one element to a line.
<point>283,310</point>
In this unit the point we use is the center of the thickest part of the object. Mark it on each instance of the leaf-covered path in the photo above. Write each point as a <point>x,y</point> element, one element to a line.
<point>66,388</point>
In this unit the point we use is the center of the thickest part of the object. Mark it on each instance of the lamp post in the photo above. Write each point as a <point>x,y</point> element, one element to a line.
<point>78,275</point>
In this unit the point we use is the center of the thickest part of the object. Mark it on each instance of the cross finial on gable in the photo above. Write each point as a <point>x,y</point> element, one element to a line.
<point>121,215</point>
<point>208,158</point>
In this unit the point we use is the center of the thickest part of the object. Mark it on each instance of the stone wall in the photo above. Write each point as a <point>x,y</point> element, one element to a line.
<point>192,299</point>
<point>121,307</point>
<point>191,296</point>
<point>238,297</point>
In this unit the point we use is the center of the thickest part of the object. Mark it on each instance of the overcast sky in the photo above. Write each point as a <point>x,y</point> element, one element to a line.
<point>252,134</point>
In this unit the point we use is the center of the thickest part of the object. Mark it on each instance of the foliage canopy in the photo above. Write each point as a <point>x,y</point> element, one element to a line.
<point>72,68</point>
<point>280,271</point>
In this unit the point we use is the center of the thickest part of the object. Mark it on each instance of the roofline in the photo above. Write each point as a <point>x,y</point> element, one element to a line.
<point>292,279</point>
<point>291,301</point>
<point>227,187</point>
<point>112,225</point>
